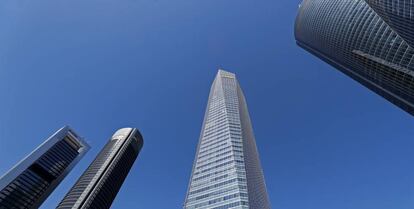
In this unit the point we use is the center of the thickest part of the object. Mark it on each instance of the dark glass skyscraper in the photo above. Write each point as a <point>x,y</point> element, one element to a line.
<point>226,171</point>
<point>33,179</point>
<point>399,14</point>
<point>100,183</point>
<point>352,37</point>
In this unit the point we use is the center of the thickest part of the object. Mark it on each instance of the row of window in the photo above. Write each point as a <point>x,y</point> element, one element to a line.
<point>218,185</point>
<point>211,194</point>
<point>214,130</point>
<point>216,120</point>
<point>216,141</point>
<point>218,166</point>
<point>239,167</point>
<point>203,160</point>
<point>220,199</point>
<point>213,153</point>
<point>213,174</point>
<point>211,147</point>
<point>210,181</point>
<point>216,133</point>
<point>214,162</point>
<point>215,167</point>
<point>231,205</point>
<point>339,28</point>
<point>215,138</point>
<point>24,191</point>
<point>212,157</point>
<point>218,192</point>
<point>27,188</point>
<point>212,150</point>
<point>216,150</point>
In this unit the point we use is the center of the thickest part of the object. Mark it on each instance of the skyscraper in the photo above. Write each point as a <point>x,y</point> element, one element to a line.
<point>399,14</point>
<point>351,36</point>
<point>32,180</point>
<point>227,172</point>
<point>100,183</point>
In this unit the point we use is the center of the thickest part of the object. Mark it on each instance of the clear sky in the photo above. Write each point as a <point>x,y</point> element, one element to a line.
<point>324,140</point>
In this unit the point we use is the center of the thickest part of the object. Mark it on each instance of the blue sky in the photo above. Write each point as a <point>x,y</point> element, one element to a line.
<point>324,140</point>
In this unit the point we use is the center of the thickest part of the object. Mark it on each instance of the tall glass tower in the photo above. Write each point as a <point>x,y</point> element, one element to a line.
<point>227,172</point>
<point>371,44</point>
<point>100,183</point>
<point>32,180</point>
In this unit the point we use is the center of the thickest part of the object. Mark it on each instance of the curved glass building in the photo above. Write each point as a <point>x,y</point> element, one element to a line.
<point>100,183</point>
<point>399,14</point>
<point>227,172</point>
<point>351,36</point>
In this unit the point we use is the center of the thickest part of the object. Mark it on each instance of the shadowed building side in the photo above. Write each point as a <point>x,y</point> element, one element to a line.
<point>399,14</point>
<point>351,36</point>
<point>100,183</point>
<point>256,185</point>
<point>32,180</point>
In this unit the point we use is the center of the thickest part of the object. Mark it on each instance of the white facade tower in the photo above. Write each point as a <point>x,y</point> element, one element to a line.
<point>227,171</point>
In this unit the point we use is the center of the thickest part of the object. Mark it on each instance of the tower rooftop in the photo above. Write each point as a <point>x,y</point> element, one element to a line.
<point>224,73</point>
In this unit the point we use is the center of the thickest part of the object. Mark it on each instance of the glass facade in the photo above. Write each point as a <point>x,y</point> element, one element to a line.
<point>37,176</point>
<point>226,172</point>
<point>399,14</point>
<point>352,37</point>
<point>100,183</point>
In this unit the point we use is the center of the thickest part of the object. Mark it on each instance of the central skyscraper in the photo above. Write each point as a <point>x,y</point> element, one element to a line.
<point>227,171</point>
